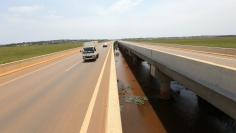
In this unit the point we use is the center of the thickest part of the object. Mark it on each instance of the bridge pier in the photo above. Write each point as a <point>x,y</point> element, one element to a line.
<point>164,82</point>
<point>135,59</point>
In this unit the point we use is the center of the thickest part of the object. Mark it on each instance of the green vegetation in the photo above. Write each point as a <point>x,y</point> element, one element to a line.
<point>138,100</point>
<point>14,53</point>
<point>225,42</point>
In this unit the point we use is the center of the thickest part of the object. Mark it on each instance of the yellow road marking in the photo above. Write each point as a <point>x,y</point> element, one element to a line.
<point>35,64</point>
<point>30,73</point>
<point>85,124</point>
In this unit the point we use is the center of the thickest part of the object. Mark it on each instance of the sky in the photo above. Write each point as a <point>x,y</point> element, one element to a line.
<point>36,20</point>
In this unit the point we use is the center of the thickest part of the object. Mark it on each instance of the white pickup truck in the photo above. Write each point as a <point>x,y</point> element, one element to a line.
<point>90,53</point>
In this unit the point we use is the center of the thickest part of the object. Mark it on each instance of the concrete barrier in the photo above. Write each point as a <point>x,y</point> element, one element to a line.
<point>113,123</point>
<point>16,66</point>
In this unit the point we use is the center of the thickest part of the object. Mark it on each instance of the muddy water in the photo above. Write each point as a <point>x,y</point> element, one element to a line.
<point>182,114</point>
<point>137,114</point>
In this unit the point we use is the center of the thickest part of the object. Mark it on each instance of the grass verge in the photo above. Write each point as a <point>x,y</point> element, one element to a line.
<point>14,53</point>
<point>225,42</point>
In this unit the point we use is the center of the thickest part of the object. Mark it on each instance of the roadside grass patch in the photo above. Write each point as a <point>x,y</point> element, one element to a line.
<point>224,42</point>
<point>138,100</point>
<point>14,53</point>
<point>124,92</point>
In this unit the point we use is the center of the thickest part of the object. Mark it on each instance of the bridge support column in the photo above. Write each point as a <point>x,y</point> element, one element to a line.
<point>164,82</point>
<point>135,59</point>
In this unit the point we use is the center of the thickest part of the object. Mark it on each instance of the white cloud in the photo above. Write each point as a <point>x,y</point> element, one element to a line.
<point>19,14</point>
<point>124,5</point>
<point>119,6</point>
<point>180,18</point>
<point>122,19</point>
<point>25,9</point>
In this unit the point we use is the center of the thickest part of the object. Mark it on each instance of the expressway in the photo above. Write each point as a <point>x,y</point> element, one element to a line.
<point>210,75</point>
<point>212,58</point>
<point>56,98</point>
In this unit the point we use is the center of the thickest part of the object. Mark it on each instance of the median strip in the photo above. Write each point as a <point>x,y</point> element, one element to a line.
<point>113,123</point>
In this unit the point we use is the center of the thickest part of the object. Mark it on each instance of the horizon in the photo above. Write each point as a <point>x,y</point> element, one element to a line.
<point>197,36</point>
<point>32,21</point>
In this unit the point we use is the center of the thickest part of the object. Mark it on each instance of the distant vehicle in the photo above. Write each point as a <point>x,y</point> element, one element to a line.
<point>104,45</point>
<point>90,53</point>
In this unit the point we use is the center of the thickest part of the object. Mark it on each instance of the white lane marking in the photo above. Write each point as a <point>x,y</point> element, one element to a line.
<point>30,73</point>
<point>85,124</point>
<point>197,51</point>
<point>68,69</point>
<point>203,53</point>
<point>191,58</point>
<point>199,60</point>
<point>187,51</point>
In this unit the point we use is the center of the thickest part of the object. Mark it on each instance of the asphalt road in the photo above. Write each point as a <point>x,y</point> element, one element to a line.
<point>54,98</point>
<point>214,58</point>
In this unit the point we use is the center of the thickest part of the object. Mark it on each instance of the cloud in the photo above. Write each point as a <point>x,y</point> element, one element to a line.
<point>121,19</point>
<point>180,18</point>
<point>119,6</point>
<point>124,5</point>
<point>25,9</point>
<point>19,14</point>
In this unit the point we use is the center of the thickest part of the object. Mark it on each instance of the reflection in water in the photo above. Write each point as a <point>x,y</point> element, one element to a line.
<point>182,114</point>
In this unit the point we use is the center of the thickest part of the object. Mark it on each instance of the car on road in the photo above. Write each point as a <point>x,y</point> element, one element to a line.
<point>104,45</point>
<point>90,53</point>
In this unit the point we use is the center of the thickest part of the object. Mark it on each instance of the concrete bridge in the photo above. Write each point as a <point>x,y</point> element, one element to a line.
<point>209,72</point>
